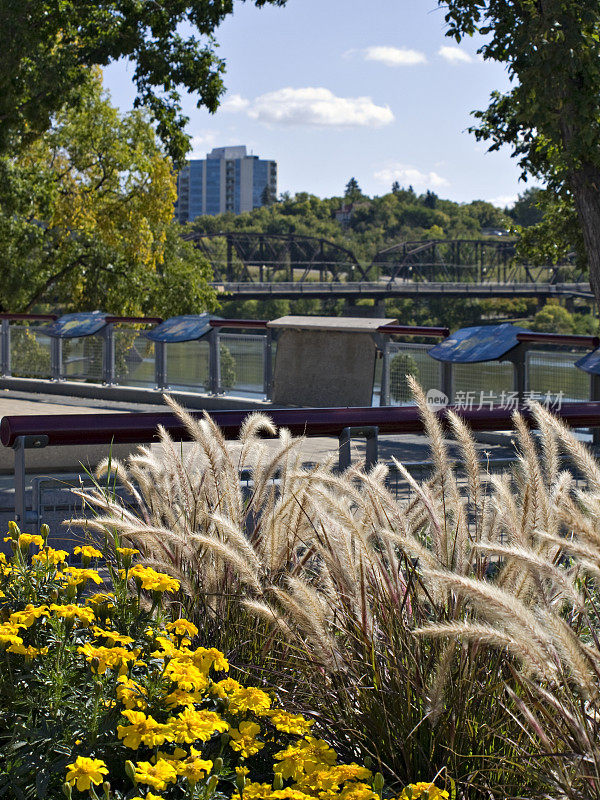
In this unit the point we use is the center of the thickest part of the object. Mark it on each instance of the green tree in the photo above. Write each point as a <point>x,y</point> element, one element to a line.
<point>551,115</point>
<point>86,219</point>
<point>526,210</point>
<point>47,48</point>
<point>352,192</point>
<point>553,319</point>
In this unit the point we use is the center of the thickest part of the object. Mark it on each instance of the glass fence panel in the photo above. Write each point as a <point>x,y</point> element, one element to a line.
<point>552,371</point>
<point>481,384</point>
<point>134,357</point>
<point>411,359</point>
<point>82,359</point>
<point>30,352</point>
<point>188,365</point>
<point>242,363</point>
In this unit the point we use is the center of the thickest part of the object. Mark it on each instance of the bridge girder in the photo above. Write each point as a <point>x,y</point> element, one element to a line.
<point>257,257</point>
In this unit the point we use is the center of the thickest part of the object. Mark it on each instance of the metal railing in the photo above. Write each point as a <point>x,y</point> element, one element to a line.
<point>24,433</point>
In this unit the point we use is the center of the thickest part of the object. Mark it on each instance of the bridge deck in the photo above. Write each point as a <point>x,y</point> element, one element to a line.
<point>381,290</point>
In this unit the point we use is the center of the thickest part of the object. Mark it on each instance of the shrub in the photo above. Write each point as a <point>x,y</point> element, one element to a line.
<point>102,694</point>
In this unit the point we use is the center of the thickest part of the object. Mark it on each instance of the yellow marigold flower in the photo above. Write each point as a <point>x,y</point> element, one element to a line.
<point>27,539</point>
<point>153,581</point>
<point>88,551</point>
<point>113,637</point>
<point>71,612</point>
<point>264,791</point>
<point>225,687</point>
<point>190,725</point>
<point>178,697</point>
<point>243,739</point>
<point>107,657</point>
<point>423,791</point>
<point>193,769</point>
<point>186,675</point>
<point>9,634</point>
<point>29,652</point>
<point>248,699</point>
<point>142,730</point>
<point>167,649</point>
<point>304,757</point>
<point>78,575</point>
<point>130,693</point>
<point>85,771</point>
<point>51,556</point>
<point>182,627</point>
<point>28,616</point>
<point>128,552</point>
<point>289,723</point>
<point>328,779</point>
<point>205,658</point>
<point>357,791</point>
<point>155,775</point>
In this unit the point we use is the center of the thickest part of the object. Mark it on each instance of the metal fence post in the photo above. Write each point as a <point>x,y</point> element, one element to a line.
<point>23,443</point>
<point>56,358</point>
<point>6,347</point>
<point>595,395</point>
<point>371,434</point>
<point>160,365</point>
<point>384,393</point>
<point>447,379</point>
<point>520,371</point>
<point>268,365</point>
<point>108,355</point>
<point>214,363</point>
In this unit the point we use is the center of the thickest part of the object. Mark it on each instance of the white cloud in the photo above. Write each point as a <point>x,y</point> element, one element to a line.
<point>234,103</point>
<point>201,143</point>
<point>410,176</point>
<point>454,55</point>
<point>504,200</point>
<point>314,106</point>
<point>395,56</point>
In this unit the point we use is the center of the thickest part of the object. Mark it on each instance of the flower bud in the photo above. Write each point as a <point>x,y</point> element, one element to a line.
<point>378,783</point>
<point>211,785</point>
<point>130,770</point>
<point>44,532</point>
<point>67,791</point>
<point>278,781</point>
<point>217,765</point>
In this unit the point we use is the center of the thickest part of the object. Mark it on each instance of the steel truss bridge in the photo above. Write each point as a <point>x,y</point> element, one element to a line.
<point>255,265</point>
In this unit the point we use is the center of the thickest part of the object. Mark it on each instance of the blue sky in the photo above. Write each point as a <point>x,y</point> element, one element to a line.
<point>337,88</point>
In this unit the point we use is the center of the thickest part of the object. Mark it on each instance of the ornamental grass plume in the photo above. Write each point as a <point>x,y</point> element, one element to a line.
<point>454,631</point>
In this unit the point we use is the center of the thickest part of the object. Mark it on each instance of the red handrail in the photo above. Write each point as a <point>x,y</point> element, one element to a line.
<point>560,338</point>
<point>75,429</point>
<point>238,323</point>
<point>41,317</point>
<point>415,330</point>
<point>135,320</point>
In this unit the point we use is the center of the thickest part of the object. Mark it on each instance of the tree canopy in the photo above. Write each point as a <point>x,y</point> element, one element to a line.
<point>86,218</point>
<point>47,48</point>
<point>551,115</point>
